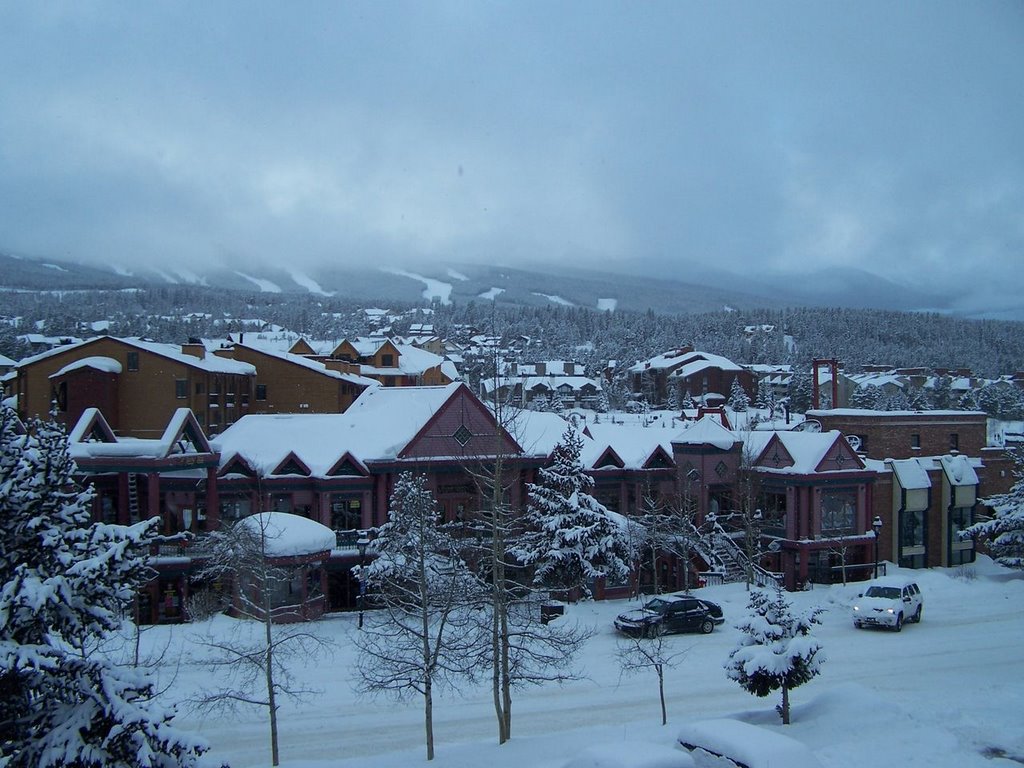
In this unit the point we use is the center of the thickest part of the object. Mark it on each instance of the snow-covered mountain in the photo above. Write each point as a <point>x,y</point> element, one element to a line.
<point>685,291</point>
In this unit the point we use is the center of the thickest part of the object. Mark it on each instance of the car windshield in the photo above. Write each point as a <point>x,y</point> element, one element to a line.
<point>658,605</point>
<point>889,593</point>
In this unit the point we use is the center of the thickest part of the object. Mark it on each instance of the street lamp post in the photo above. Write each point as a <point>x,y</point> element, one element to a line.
<point>876,526</point>
<point>362,544</point>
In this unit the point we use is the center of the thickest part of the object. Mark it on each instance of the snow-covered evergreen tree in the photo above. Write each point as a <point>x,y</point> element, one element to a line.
<point>765,399</point>
<point>968,401</point>
<point>570,537</point>
<point>687,401</point>
<point>941,396</point>
<point>865,396</point>
<point>67,583</point>
<point>672,400</point>
<point>1004,533</point>
<point>738,398</point>
<point>800,391</point>
<point>776,650</point>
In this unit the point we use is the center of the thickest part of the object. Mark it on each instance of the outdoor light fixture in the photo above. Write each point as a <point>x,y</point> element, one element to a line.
<point>876,526</point>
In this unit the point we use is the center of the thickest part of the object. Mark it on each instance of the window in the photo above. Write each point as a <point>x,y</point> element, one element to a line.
<point>463,435</point>
<point>912,537</point>
<point>261,391</point>
<point>954,441</point>
<point>180,389</point>
<point>232,509</point>
<point>200,387</point>
<point>838,511</point>
<point>133,361</point>
<point>346,514</point>
<point>387,361</point>
<point>915,440</point>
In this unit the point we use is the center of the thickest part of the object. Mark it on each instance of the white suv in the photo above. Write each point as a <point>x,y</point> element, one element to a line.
<point>888,602</point>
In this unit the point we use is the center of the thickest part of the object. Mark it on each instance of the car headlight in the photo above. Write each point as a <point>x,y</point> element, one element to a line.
<point>856,607</point>
<point>889,610</point>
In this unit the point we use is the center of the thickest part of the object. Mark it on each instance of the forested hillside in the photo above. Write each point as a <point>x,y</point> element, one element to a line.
<point>784,335</point>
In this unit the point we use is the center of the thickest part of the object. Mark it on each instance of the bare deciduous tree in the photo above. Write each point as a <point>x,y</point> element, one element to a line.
<point>425,634</point>
<point>252,663</point>
<point>655,653</point>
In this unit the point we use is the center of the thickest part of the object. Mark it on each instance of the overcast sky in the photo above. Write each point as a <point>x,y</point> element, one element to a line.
<point>750,135</point>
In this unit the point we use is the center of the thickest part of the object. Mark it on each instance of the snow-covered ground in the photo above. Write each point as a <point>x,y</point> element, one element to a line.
<point>946,692</point>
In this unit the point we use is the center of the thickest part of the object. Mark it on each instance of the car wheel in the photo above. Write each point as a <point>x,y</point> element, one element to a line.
<point>899,623</point>
<point>917,615</point>
<point>707,626</point>
<point>656,630</point>
<point>857,624</point>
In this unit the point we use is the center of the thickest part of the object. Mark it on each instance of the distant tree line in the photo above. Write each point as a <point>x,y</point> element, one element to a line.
<point>857,337</point>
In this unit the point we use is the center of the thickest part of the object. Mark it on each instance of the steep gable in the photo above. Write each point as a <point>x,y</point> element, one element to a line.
<point>184,435</point>
<point>461,427</point>
<point>839,456</point>
<point>775,455</point>
<point>291,465</point>
<point>92,428</point>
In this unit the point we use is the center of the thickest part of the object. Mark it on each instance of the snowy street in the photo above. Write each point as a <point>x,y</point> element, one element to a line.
<point>938,693</point>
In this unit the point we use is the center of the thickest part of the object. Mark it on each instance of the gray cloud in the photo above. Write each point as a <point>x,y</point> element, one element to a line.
<point>739,135</point>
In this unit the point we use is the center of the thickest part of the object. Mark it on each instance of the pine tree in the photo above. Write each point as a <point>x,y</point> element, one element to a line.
<point>765,397</point>
<point>776,650</point>
<point>570,538</point>
<point>1004,533</point>
<point>865,396</point>
<point>738,399</point>
<point>67,584</point>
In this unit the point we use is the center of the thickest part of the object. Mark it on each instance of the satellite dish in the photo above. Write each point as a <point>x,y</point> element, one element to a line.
<point>854,442</point>
<point>810,425</point>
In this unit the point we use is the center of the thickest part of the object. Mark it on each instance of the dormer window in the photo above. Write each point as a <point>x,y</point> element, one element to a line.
<point>387,361</point>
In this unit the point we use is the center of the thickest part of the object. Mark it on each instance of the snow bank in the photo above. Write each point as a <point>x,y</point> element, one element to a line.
<point>289,535</point>
<point>748,744</point>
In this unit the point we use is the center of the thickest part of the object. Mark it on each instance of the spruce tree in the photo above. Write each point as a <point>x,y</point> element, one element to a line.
<point>570,537</point>
<point>67,583</point>
<point>1004,533</point>
<point>776,649</point>
<point>738,399</point>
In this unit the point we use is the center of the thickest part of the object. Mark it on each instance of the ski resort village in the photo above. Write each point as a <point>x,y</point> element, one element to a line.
<point>263,548</point>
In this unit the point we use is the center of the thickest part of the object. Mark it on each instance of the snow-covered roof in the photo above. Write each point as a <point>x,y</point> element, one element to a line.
<point>287,535</point>
<point>99,363</point>
<point>537,432</point>
<point>707,431</point>
<point>632,443</point>
<point>690,360</point>
<point>376,427</point>
<point>211,363</point>
<point>911,474</point>
<point>314,365</point>
<point>6,362</point>
<point>182,435</point>
<point>807,449</point>
<point>959,471</point>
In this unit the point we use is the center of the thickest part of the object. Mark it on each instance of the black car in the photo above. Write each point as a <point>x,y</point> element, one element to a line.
<point>670,613</point>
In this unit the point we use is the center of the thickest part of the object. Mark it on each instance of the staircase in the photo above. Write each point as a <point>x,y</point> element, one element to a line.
<point>725,557</point>
<point>133,497</point>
